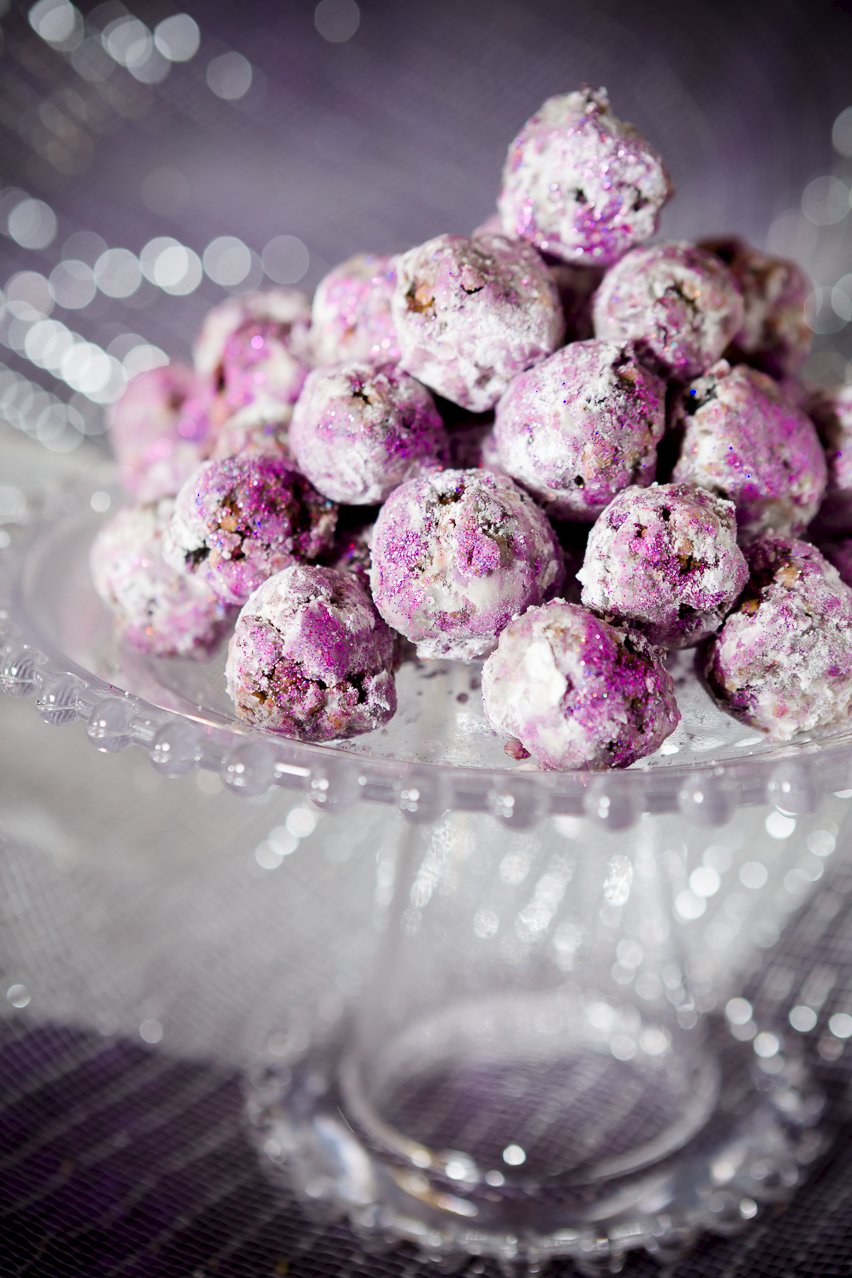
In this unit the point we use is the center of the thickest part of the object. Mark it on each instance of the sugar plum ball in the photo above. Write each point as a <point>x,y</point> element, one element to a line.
<point>472,313</point>
<point>455,555</point>
<point>359,431</point>
<point>581,184</point>
<point>310,657</point>
<point>240,520</point>
<point>831,413</point>
<point>745,440</point>
<point>261,368</point>
<point>679,305</point>
<point>159,430</point>
<point>351,314</point>
<point>775,336</point>
<point>665,561</point>
<point>155,608</point>
<point>782,661</point>
<point>287,308</point>
<point>581,426</point>
<point>575,691</point>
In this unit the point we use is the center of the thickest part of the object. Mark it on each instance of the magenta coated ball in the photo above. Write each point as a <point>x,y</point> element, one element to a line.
<point>261,368</point>
<point>160,429</point>
<point>581,426</point>
<point>155,608</point>
<point>455,555</point>
<point>240,520</point>
<point>782,661</point>
<point>351,314</point>
<point>359,431</point>
<point>257,428</point>
<point>664,561</point>
<point>287,308</point>
<point>679,305</point>
<point>775,335</point>
<point>470,314</point>
<point>310,657</point>
<point>745,440</point>
<point>831,413</point>
<point>581,184</point>
<point>575,691</point>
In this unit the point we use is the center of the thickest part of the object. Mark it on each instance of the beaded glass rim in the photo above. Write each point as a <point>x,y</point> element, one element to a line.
<point>792,777</point>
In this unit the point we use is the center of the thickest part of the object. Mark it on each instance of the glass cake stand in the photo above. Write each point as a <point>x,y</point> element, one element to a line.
<point>550,1058</point>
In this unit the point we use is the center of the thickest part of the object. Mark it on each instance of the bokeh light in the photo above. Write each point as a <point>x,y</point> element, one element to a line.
<point>337,20</point>
<point>229,76</point>
<point>825,200</point>
<point>227,261</point>
<point>178,38</point>
<point>32,224</point>
<point>117,273</point>
<point>58,23</point>
<point>285,259</point>
<point>72,284</point>
<point>841,134</point>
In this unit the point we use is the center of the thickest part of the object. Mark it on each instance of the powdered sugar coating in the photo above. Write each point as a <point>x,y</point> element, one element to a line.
<point>576,692</point>
<point>581,184</point>
<point>745,440</point>
<point>664,561</point>
<point>455,555</point>
<point>351,312</point>
<point>155,608</point>
<point>775,336</point>
<point>831,413</point>
<point>240,520</point>
<point>159,430</point>
<point>359,431</point>
<point>286,307</point>
<point>260,368</point>
<point>472,313</point>
<point>782,661</point>
<point>310,657</point>
<point>678,304</point>
<point>581,426</point>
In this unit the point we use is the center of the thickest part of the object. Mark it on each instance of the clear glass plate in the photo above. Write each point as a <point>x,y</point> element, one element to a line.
<point>57,626</point>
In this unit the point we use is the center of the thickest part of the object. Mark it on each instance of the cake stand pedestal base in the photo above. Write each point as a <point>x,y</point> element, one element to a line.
<point>509,1199</point>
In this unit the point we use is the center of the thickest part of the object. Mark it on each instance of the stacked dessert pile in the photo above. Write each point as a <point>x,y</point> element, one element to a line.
<point>430,450</point>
